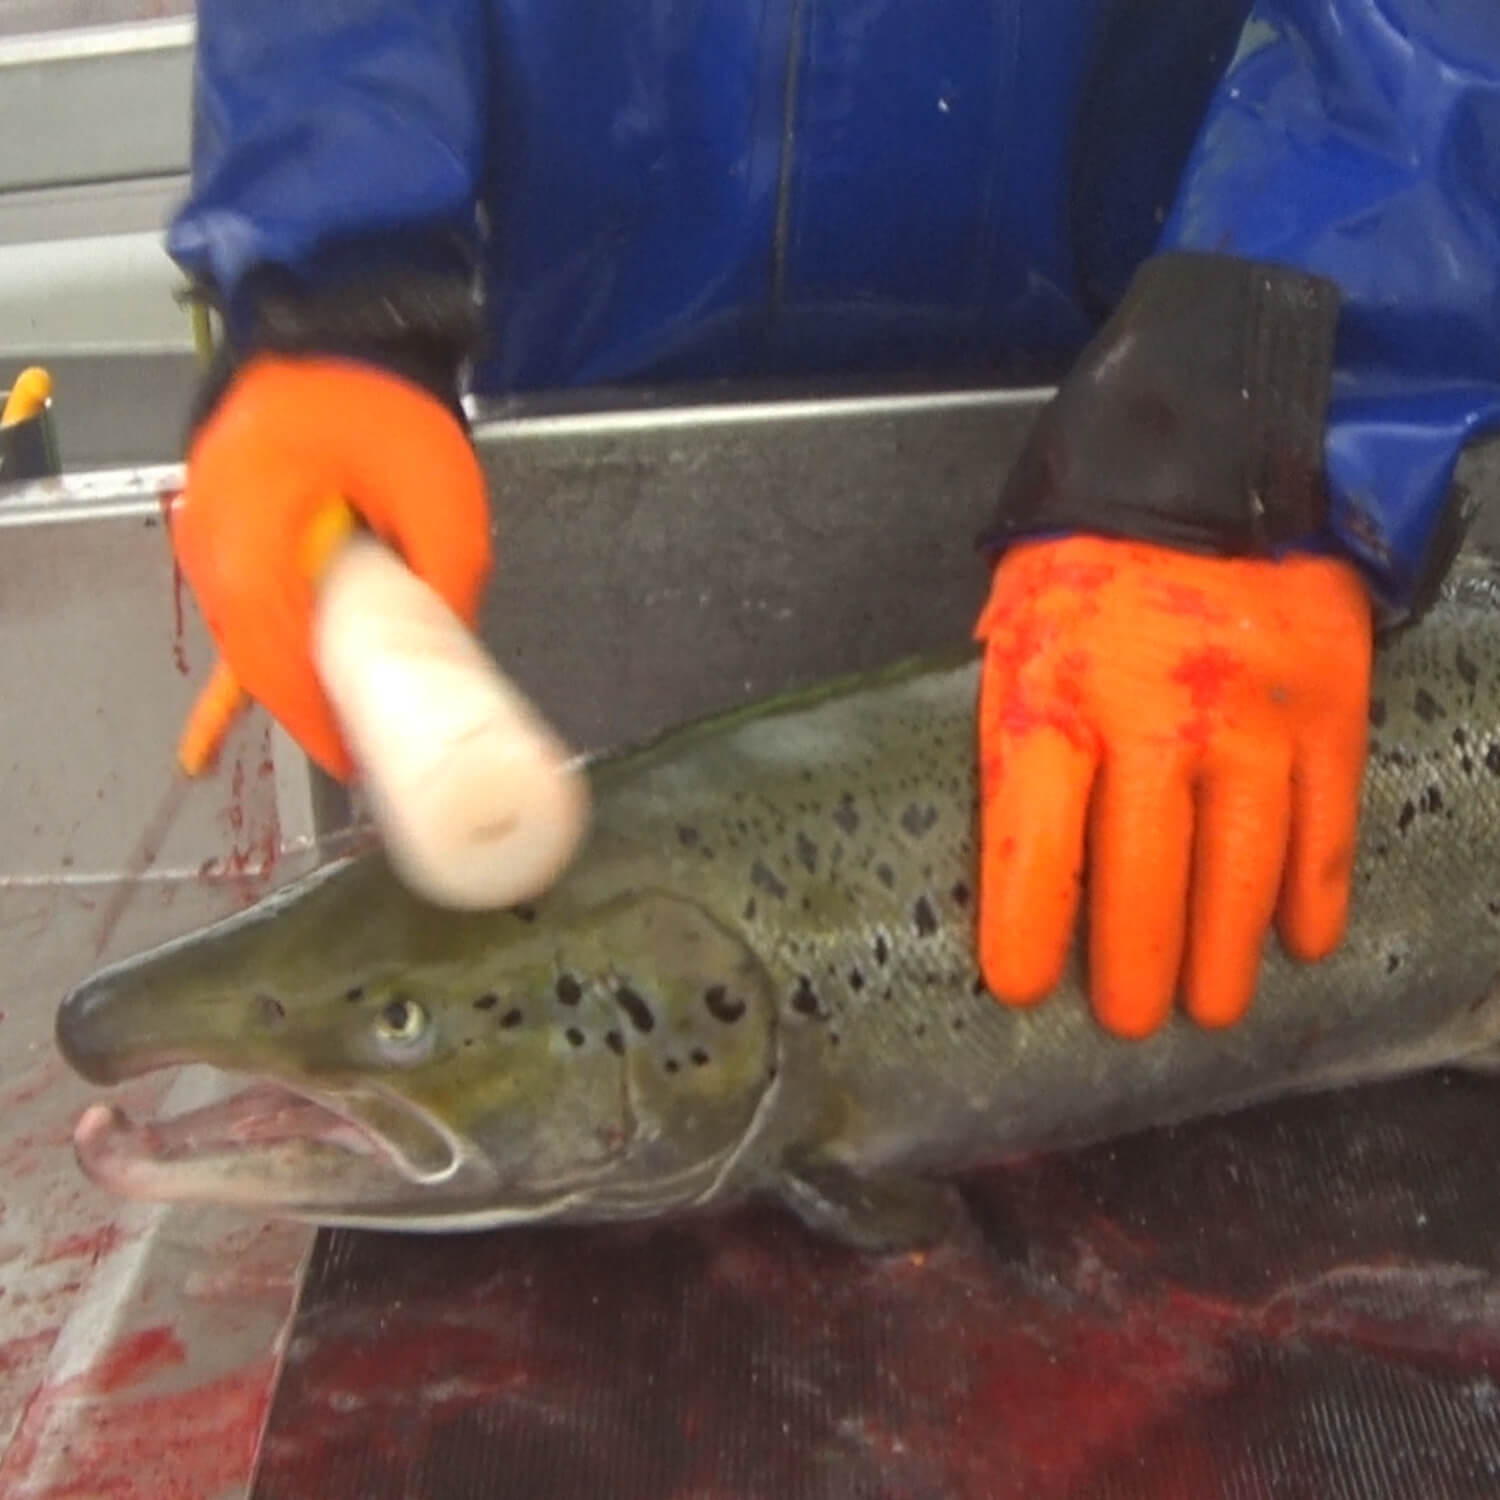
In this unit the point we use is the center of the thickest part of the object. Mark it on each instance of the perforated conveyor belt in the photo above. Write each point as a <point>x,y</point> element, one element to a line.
<point>1300,1301</point>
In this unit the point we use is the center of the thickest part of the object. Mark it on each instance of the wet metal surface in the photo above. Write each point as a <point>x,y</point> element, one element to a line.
<point>137,1346</point>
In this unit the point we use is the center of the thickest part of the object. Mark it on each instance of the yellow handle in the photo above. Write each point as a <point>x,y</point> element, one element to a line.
<point>30,393</point>
<point>222,698</point>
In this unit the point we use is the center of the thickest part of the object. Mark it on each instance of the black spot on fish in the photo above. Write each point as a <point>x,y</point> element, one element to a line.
<point>568,989</point>
<point>1459,737</point>
<point>269,1010</point>
<point>960,894</point>
<point>833,1039</point>
<point>1377,711</point>
<point>918,821</point>
<point>574,1036</point>
<point>1408,812</point>
<point>355,995</point>
<point>750,910</point>
<point>700,1057</point>
<point>671,1065</point>
<point>958,1023</point>
<point>1392,962</point>
<point>636,1010</point>
<point>925,918</point>
<point>1466,765</point>
<point>807,853</point>
<point>1492,759</point>
<point>1432,800</point>
<point>1493,908</point>
<point>686,836</point>
<point>1466,667</point>
<point>722,1006</point>
<point>525,913</point>
<point>1427,707</point>
<point>882,949</point>
<point>805,997</point>
<point>615,1042</point>
<point>511,1019</point>
<point>845,815</point>
<point>886,875</point>
<point>766,879</point>
<point>856,980</point>
<point>487,1002</point>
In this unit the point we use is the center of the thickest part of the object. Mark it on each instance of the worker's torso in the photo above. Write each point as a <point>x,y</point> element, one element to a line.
<point>690,189</point>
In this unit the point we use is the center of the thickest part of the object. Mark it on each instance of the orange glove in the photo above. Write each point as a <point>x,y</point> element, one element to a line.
<point>1207,719</point>
<point>289,435</point>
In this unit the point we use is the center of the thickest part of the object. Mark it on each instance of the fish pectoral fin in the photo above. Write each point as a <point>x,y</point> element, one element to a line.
<point>882,1215</point>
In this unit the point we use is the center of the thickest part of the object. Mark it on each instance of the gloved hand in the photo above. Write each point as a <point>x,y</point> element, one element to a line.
<point>287,437</point>
<point>1201,724</point>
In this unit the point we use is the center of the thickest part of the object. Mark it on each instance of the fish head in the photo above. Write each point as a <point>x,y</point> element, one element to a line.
<point>599,1055</point>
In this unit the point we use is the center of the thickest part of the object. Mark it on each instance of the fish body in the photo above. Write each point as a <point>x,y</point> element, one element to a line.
<point>760,978</point>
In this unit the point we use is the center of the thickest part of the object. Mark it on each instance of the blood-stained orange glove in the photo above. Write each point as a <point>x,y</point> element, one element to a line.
<point>289,435</point>
<point>1199,724</point>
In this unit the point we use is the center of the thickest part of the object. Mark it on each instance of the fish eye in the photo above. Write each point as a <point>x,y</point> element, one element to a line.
<point>401,1023</point>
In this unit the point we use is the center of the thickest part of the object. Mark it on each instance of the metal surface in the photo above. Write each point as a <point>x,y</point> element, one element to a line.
<point>18,16</point>
<point>136,1348</point>
<point>658,560</point>
<point>95,103</point>
<point>705,556</point>
<point>126,409</point>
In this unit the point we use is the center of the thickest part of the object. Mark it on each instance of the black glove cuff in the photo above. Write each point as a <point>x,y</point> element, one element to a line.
<point>419,326</point>
<point>1194,418</point>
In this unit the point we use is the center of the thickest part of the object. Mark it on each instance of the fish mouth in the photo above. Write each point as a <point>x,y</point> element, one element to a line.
<point>270,1146</point>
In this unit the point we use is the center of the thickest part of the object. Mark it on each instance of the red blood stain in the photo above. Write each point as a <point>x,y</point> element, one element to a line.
<point>20,1355</point>
<point>133,1360</point>
<point>1186,601</point>
<point>252,821</point>
<point>1101,1384</point>
<point>167,499</point>
<point>92,1439</point>
<point>1206,674</point>
<point>92,1245</point>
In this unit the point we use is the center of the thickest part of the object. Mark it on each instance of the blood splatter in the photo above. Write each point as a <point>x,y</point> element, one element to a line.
<point>252,821</point>
<point>91,1437</point>
<point>1206,674</point>
<point>167,499</point>
<point>91,1245</point>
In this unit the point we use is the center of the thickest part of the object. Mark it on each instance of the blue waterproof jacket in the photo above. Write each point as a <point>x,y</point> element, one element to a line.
<point>689,189</point>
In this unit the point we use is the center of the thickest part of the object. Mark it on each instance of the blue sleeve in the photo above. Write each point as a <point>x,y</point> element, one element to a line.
<point>1360,139</point>
<point>319,128</point>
